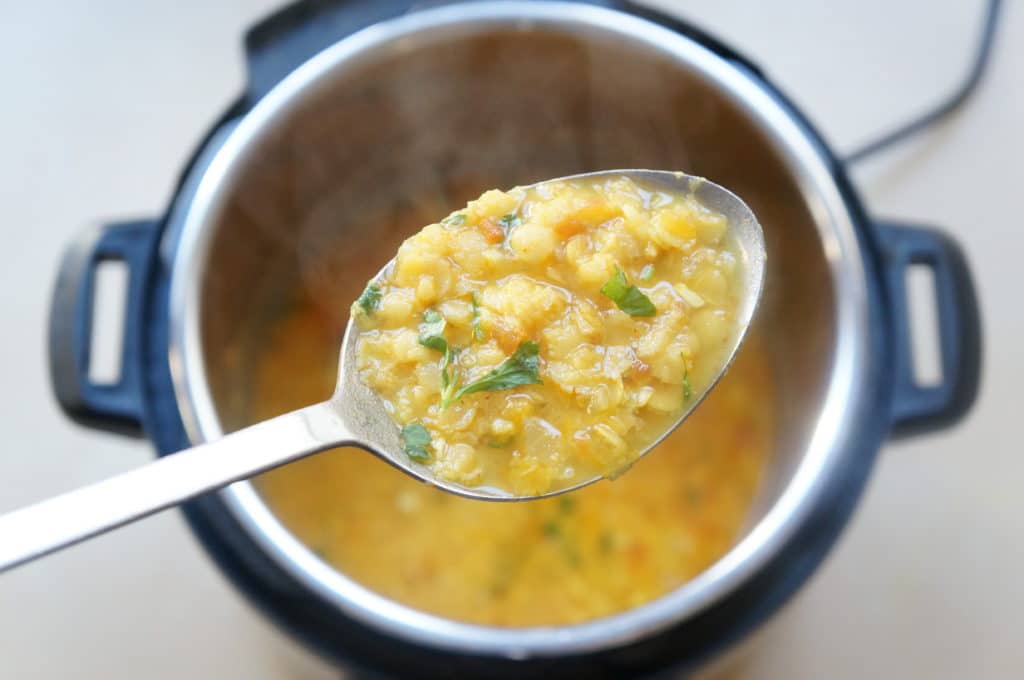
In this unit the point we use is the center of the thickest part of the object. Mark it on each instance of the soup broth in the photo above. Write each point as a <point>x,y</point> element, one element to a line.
<point>591,553</point>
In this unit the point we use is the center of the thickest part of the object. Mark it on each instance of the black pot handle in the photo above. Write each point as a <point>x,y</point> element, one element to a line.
<point>115,407</point>
<point>921,408</point>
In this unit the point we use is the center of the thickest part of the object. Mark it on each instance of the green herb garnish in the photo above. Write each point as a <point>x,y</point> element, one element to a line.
<point>626,297</point>
<point>551,529</point>
<point>687,392</point>
<point>432,331</point>
<point>432,336</point>
<point>449,377</point>
<point>509,222</point>
<point>519,369</point>
<point>369,301</point>
<point>647,273</point>
<point>566,504</point>
<point>417,442</point>
<point>478,331</point>
<point>456,220</point>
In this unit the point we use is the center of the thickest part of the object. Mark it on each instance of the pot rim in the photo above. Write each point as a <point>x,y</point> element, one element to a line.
<point>845,394</point>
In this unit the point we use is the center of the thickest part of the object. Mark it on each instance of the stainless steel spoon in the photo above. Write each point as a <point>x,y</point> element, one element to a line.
<point>353,416</point>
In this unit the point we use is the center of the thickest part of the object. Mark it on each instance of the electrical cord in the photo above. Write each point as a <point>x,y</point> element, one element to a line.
<point>957,99</point>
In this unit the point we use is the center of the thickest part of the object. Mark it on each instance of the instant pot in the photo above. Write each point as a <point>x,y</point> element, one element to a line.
<point>358,114</point>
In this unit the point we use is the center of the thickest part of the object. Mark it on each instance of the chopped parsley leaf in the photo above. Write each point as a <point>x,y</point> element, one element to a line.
<point>509,222</point>
<point>522,368</point>
<point>417,442</point>
<point>432,336</point>
<point>478,331</point>
<point>626,297</point>
<point>369,301</point>
<point>432,331</point>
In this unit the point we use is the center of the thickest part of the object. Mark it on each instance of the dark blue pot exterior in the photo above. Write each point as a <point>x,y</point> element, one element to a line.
<point>143,402</point>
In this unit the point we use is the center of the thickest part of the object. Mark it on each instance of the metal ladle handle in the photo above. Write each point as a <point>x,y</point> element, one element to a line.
<point>50,525</point>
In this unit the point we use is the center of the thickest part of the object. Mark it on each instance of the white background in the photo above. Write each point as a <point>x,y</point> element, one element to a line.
<point>102,102</point>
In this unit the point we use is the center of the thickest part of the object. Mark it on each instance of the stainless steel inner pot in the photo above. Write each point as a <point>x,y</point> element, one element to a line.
<point>406,120</point>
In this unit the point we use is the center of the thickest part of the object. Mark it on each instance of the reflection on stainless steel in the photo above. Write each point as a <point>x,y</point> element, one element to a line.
<point>444,103</point>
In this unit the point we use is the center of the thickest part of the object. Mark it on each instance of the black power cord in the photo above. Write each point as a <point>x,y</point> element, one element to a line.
<point>957,99</point>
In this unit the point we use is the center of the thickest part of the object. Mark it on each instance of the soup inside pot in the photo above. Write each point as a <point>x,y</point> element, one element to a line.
<point>325,197</point>
<point>591,553</point>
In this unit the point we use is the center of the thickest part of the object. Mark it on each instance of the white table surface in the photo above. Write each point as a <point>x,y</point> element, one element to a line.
<point>102,101</point>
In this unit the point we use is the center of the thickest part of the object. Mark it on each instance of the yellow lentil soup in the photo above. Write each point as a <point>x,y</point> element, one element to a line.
<point>594,552</point>
<point>547,335</point>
